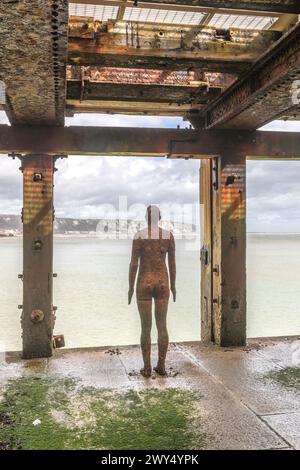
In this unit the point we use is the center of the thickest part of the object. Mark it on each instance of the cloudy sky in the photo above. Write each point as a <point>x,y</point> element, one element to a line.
<point>85,184</point>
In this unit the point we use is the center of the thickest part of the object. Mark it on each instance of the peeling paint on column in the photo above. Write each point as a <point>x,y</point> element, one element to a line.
<point>233,184</point>
<point>229,252</point>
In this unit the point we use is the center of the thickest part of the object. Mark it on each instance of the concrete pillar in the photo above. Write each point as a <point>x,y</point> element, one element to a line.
<point>229,250</point>
<point>37,315</point>
<point>206,250</point>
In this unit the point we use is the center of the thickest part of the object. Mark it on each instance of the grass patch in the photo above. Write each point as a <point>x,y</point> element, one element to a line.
<point>288,377</point>
<point>88,418</point>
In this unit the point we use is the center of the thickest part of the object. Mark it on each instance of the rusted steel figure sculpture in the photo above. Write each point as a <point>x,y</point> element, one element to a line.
<point>149,249</point>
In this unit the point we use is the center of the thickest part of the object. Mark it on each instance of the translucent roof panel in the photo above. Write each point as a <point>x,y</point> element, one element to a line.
<point>153,15</point>
<point>223,21</point>
<point>98,12</point>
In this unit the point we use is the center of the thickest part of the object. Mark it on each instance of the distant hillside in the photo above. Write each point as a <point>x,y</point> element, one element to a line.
<point>12,225</point>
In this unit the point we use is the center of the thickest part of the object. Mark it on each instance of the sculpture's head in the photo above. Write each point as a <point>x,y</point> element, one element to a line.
<point>153,215</point>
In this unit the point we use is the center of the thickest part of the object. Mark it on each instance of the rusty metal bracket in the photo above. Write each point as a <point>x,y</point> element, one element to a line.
<point>58,341</point>
<point>216,269</point>
<point>204,256</point>
<point>216,175</point>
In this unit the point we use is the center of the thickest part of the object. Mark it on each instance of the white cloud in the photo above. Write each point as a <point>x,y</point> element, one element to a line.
<point>282,126</point>
<point>123,121</point>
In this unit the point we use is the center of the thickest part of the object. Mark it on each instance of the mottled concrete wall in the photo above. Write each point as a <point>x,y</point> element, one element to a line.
<point>33,39</point>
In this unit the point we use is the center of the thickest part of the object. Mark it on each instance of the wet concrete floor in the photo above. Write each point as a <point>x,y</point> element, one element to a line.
<point>241,405</point>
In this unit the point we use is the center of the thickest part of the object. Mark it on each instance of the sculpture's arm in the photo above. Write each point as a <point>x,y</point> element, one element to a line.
<point>172,266</point>
<point>133,267</point>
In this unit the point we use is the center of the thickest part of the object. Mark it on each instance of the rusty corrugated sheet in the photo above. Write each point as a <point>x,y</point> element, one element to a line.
<point>142,76</point>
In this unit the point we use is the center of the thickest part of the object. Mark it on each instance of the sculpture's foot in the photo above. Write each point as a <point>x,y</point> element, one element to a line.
<point>160,371</point>
<point>146,371</point>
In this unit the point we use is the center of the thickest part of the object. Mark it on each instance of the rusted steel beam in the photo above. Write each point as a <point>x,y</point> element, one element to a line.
<point>134,108</point>
<point>77,90</point>
<point>231,60</point>
<point>126,98</point>
<point>147,142</point>
<point>119,75</point>
<point>262,94</point>
<point>37,312</point>
<point>280,6</point>
<point>139,34</point>
<point>146,45</point>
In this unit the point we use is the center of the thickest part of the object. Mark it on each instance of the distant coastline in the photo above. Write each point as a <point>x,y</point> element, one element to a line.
<point>11,226</point>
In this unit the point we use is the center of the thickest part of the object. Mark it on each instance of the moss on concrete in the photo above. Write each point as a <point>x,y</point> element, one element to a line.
<point>73,417</point>
<point>288,377</point>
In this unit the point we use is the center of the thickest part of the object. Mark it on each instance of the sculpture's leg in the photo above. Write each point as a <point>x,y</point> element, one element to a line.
<point>145,311</point>
<point>161,310</point>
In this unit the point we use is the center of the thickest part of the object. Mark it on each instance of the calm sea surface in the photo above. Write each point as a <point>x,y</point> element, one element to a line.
<point>92,283</point>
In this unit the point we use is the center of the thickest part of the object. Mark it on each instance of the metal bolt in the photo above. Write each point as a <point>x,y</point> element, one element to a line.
<point>216,269</point>
<point>37,316</point>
